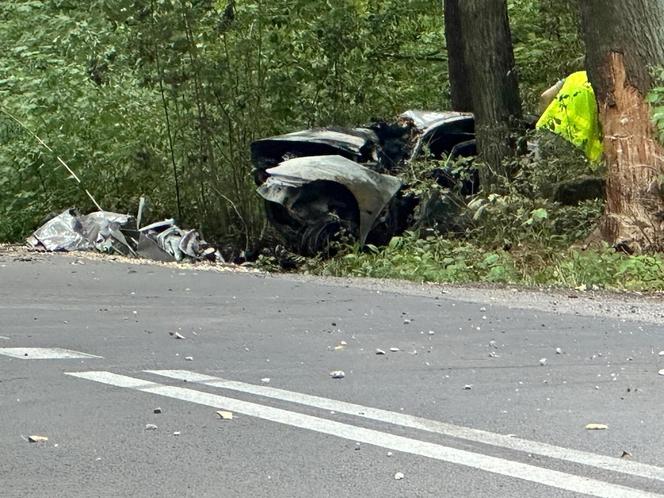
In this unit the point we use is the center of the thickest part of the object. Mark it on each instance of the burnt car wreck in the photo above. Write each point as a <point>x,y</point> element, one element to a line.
<point>330,184</point>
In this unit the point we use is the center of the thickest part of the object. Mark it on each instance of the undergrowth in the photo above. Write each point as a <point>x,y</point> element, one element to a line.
<point>433,259</point>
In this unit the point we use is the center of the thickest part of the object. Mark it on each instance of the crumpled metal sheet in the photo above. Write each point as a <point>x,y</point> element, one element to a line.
<point>439,130</point>
<point>70,231</point>
<point>357,144</point>
<point>165,241</point>
<point>372,190</point>
<point>112,232</point>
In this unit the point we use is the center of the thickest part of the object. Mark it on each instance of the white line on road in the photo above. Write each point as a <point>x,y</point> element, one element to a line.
<point>410,421</point>
<point>486,463</point>
<point>44,353</point>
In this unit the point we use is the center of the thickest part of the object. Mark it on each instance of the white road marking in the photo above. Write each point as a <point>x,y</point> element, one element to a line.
<point>410,421</point>
<point>486,463</point>
<point>44,353</point>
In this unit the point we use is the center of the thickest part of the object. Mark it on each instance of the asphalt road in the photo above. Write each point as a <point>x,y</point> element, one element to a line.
<point>473,397</point>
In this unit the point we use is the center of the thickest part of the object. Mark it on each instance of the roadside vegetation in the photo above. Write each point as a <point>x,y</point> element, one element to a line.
<point>163,99</point>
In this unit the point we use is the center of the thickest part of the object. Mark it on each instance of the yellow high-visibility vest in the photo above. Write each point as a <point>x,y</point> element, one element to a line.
<point>573,115</point>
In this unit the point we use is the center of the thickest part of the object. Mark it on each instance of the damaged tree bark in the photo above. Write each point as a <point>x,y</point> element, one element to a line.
<point>623,40</point>
<point>462,98</point>
<point>493,84</point>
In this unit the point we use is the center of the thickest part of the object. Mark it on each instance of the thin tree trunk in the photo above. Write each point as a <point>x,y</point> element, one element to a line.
<point>623,41</point>
<point>462,98</point>
<point>493,83</point>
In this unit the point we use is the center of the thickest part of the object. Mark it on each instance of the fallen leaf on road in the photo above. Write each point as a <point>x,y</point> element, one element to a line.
<point>337,374</point>
<point>224,415</point>
<point>596,427</point>
<point>150,427</point>
<point>37,439</point>
<point>399,475</point>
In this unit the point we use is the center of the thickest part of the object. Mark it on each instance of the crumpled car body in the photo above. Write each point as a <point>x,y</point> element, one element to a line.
<point>319,183</point>
<point>311,199</point>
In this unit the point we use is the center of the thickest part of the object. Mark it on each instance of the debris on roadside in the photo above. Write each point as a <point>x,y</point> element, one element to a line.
<point>115,233</point>
<point>596,427</point>
<point>337,374</point>
<point>37,439</point>
<point>225,415</point>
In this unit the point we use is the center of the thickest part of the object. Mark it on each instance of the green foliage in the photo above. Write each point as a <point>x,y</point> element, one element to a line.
<point>164,97</point>
<point>547,44</point>
<point>447,261</point>
<point>656,99</point>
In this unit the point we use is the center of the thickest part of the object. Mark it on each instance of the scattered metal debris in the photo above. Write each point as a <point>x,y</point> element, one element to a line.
<point>116,233</point>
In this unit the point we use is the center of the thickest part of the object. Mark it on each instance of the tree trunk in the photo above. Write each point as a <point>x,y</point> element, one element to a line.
<point>462,98</point>
<point>493,83</point>
<point>623,40</point>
